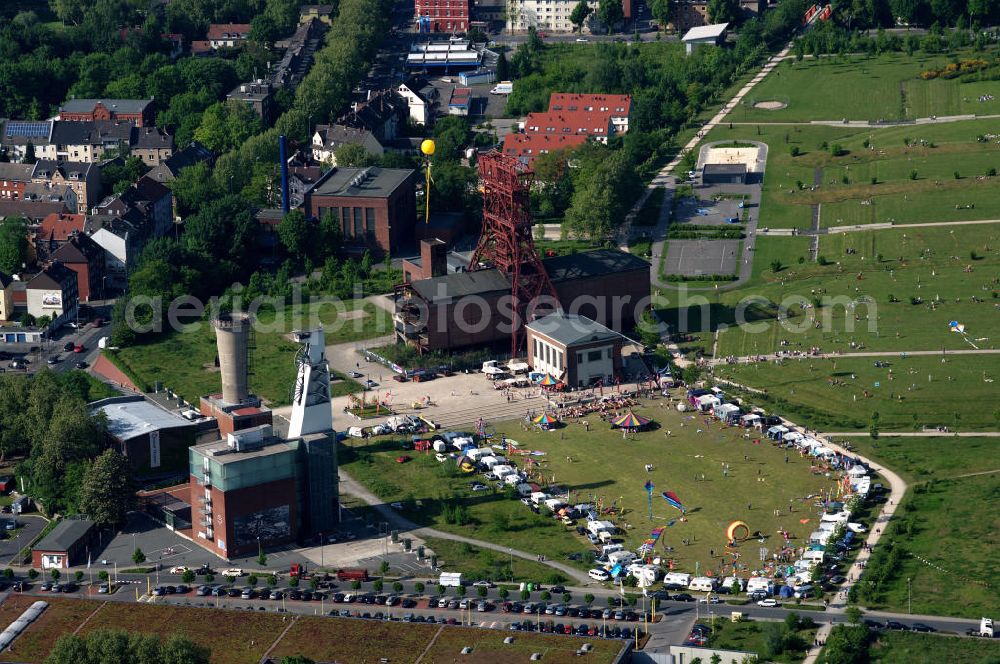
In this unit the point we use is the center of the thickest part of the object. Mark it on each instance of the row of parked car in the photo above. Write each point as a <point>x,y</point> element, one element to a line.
<point>246,592</point>
<point>560,610</point>
<point>583,629</point>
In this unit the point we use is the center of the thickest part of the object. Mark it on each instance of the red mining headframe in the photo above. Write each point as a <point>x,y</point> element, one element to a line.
<point>506,243</point>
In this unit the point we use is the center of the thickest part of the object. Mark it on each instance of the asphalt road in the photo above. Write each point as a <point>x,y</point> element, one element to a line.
<point>9,548</point>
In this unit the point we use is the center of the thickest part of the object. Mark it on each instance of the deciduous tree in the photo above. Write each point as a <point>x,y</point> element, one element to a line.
<point>107,493</point>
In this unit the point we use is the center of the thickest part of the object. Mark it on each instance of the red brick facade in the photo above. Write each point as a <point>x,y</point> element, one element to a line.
<point>445,15</point>
<point>380,224</point>
<point>101,112</point>
<point>229,506</point>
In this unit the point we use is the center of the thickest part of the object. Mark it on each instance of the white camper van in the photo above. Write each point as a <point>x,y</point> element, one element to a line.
<point>676,580</point>
<point>702,584</point>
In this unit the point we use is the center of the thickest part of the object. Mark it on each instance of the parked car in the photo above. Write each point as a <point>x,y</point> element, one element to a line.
<point>921,627</point>
<point>769,602</point>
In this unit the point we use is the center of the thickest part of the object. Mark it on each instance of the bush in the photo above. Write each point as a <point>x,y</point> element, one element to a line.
<point>776,266</point>
<point>138,557</point>
<point>419,587</point>
<point>991,172</point>
<point>794,151</point>
<point>188,576</point>
<point>822,260</point>
<point>376,586</point>
<point>913,174</point>
<point>32,574</point>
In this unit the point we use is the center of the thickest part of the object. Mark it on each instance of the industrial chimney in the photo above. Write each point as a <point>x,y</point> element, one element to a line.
<point>232,335</point>
<point>283,153</point>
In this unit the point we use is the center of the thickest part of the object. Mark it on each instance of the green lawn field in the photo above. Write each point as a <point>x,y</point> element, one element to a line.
<point>950,548</point>
<point>932,269</point>
<point>908,648</point>
<point>887,87</point>
<point>846,194</point>
<point>184,361</point>
<point>957,396</point>
<point>925,458</point>
<point>752,636</point>
<point>599,464</point>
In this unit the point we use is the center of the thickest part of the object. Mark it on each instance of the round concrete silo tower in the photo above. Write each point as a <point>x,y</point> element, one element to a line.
<point>232,335</point>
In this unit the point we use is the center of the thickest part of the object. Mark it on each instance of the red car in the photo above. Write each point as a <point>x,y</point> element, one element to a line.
<point>399,378</point>
<point>403,459</point>
<point>79,348</point>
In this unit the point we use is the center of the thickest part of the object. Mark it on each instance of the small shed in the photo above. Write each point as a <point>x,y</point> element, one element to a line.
<point>65,546</point>
<point>711,35</point>
<point>724,174</point>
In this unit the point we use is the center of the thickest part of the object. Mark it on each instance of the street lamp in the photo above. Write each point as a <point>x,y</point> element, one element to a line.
<point>909,597</point>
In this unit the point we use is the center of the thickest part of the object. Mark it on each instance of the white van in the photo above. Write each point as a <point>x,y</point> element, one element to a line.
<point>539,497</point>
<point>817,556</point>
<point>598,575</point>
<point>759,584</point>
<point>676,580</point>
<point>621,557</point>
<point>702,584</point>
<point>611,548</point>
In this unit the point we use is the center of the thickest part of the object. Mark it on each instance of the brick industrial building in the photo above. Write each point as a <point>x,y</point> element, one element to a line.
<point>375,208</point>
<point>137,111</point>
<point>253,489</point>
<point>440,309</point>
<point>575,349</point>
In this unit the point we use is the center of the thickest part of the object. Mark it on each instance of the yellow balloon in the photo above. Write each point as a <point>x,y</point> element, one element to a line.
<point>427,147</point>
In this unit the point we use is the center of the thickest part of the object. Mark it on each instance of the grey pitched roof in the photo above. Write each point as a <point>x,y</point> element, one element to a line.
<point>571,329</point>
<point>117,105</point>
<point>153,138</point>
<point>592,264</point>
<point>91,132</point>
<point>66,533</point>
<point>189,156</point>
<point>371,182</point>
<point>17,172</point>
<point>66,168</point>
<point>54,276</point>
<point>336,135</point>
<point>461,284</point>
<point>33,210</point>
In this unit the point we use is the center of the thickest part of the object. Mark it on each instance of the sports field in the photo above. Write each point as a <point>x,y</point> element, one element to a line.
<point>599,465</point>
<point>887,87</point>
<point>841,393</point>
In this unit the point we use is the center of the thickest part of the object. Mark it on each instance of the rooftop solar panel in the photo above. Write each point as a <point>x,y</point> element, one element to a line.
<point>27,129</point>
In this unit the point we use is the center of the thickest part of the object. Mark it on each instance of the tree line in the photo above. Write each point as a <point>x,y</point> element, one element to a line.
<point>594,186</point>
<point>44,419</point>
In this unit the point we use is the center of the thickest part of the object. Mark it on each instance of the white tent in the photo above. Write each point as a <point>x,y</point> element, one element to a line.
<point>857,471</point>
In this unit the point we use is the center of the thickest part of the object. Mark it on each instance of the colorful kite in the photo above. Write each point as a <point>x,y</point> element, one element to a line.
<point>674,501</point>
<point>955,326</point>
